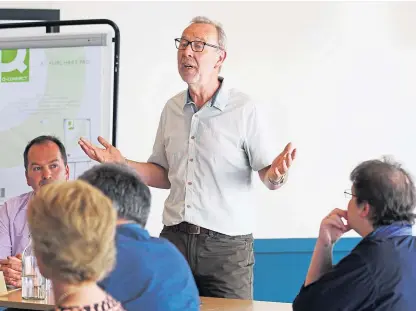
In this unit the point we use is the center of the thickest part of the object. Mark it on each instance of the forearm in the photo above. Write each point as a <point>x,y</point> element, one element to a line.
<point>151,174</point>
<point>266,176</point>
<point>321,262</point>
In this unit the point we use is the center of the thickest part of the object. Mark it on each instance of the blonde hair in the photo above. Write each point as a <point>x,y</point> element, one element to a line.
<point>73,226</point>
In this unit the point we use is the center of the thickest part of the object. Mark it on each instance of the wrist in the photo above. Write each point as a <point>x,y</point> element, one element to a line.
<point>322,243</point>
<point>276,181</point>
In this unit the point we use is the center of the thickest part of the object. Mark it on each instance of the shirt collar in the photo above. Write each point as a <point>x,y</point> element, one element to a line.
<point>133,230</point>
<point>399,228</point>
<point>218,100</point>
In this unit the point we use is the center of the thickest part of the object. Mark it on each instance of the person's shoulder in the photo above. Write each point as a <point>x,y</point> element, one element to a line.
<point>366,244</point>
<point>237,98</point>
<point>14,206</point>
<point>151,251</point>
<point>19,201</point>
<point>388,258</point>
<point>177,99</point>
<point>134,235</point>
<point>381,246</point>
<point>237,94</point>
<point>375,250</point>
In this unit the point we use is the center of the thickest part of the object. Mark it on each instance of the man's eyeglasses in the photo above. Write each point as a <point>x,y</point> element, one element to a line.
<point>196,46</point>
<point>348,194</point>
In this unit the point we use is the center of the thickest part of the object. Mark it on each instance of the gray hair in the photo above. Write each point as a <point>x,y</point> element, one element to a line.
<point>388,189</point>
<point>222,38</point>
<point>130,196</point>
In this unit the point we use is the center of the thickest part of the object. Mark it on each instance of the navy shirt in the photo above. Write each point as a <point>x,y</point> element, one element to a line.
<point>150,274</point>
<point>379,275</point>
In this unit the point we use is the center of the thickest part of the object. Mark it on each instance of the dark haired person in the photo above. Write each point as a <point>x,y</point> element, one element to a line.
<point>380,272</point>
<point>45,161</point>
<point>150,273</point>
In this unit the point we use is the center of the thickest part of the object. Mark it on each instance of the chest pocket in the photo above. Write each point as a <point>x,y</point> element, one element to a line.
<point>221,139</point>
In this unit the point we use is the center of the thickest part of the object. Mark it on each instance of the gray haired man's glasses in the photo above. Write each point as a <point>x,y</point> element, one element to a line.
<point>196,46</point>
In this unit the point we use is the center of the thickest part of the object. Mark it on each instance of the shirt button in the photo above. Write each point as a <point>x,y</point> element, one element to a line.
<point>189,182</point>
<point>193,137</point>
<point>191,160</point>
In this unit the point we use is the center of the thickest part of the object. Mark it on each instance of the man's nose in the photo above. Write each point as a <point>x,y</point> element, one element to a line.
<point>188,50</point>
<point>46,173</point>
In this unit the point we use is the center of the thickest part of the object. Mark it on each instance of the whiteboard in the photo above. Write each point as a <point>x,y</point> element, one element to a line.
<point>52,84</point>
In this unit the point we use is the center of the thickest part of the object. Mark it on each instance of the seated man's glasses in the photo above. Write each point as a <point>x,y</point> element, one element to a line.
<point>348,194</point>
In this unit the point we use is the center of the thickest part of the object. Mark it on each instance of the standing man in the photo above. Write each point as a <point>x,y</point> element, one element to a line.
<point>209,141</point>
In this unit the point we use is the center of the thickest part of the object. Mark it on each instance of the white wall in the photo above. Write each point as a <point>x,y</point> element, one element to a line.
<point>336,78</point>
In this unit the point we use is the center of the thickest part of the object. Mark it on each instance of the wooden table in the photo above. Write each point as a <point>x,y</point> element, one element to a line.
<point>14,300</point>
<point>219,304</point>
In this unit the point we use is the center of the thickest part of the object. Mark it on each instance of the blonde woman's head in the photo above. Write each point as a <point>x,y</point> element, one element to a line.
<point>73,226</point>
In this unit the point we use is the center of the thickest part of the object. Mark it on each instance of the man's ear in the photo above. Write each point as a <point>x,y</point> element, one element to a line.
<point>27,178</point>
<point>365,210</point>
<point>222,55</point>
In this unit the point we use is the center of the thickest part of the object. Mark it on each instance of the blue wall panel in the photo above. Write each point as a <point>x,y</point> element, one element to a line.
<point>281,265</point>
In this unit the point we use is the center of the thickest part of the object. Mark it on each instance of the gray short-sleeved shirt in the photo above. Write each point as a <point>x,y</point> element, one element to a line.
<point>210,155</point>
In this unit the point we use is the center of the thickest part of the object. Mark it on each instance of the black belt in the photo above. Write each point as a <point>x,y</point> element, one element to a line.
<point>188,228</point>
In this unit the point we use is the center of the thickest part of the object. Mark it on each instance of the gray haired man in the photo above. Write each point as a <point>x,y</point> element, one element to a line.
<point>209,141</point>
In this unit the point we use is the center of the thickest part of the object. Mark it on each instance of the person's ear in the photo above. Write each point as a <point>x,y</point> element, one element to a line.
<point>27,179</point>
<point>365,210</point>
<point>221,56</point>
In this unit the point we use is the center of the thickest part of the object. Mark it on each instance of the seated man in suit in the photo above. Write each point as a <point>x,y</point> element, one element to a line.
<point>380,272</point>
<point>45,161</point>
<point>150,273</point>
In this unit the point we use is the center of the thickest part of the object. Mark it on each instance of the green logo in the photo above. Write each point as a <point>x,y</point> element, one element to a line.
<point>70,125</point>
<point>14,65</point>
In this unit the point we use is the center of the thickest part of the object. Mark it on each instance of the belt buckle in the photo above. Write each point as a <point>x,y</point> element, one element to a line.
<point>192,229</point>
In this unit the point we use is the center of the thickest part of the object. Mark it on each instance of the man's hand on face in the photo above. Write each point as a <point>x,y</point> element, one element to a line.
<point>12,270</point>
<point>332,227</point>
